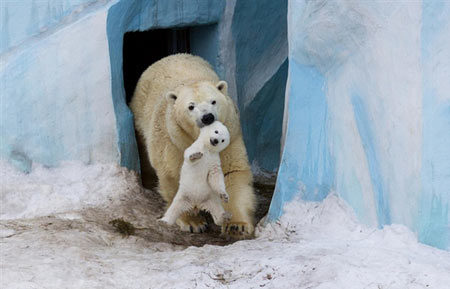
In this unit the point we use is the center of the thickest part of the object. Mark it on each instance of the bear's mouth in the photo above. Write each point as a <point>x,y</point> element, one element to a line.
<point>200,124</point>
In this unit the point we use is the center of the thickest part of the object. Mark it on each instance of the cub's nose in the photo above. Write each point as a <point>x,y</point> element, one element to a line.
<point>208,119</point>
<point>214,141</point>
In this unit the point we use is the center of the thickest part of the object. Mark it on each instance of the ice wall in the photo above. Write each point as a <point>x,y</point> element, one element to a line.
<point>369,111</point>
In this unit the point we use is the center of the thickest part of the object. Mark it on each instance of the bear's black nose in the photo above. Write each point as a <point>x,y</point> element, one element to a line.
<point>208,119</point>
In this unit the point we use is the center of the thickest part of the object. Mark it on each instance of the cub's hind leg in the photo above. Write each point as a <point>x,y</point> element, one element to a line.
<point>215,208</point>
<point>179,206</point>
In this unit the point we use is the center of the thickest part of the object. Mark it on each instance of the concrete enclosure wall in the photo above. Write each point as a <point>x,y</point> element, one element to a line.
<point>369,112</point>
<point>55,81</point>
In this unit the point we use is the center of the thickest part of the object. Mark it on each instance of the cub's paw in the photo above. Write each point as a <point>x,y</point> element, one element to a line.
<point>166,221</point>
<point>238,230</point>
<point>224,197</point>
<point>163,221</point>
<point>195,156</point>
<point>192,223</point>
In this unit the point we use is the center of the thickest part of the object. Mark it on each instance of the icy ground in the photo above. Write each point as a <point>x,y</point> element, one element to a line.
<point>54,233</point>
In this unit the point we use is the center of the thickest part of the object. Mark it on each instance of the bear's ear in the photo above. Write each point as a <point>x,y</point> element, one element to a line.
<point>222,86</point>
<point>171,96</point>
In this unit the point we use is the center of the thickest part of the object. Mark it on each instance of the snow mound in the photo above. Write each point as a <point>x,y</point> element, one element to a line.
<point>65,243</point>
<point>73,186</point>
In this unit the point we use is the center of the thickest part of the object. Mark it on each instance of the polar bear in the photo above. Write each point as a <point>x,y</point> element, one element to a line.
<point>173,99</point>
<point>202,185</point>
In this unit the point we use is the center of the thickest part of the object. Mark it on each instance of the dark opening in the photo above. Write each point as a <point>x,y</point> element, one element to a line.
<point>141,49</point>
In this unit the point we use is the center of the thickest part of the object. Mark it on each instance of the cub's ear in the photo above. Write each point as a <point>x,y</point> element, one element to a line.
<point>222,86</point>
<point>171,96</point>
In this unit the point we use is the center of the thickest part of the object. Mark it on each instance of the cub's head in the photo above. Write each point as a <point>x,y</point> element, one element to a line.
<point>215,137</point>
<point>197,105</point>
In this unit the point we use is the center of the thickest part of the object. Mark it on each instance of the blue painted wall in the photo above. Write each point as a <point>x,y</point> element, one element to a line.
<point>260,74</point>
<point>62,93</point>
<point>55,85</point>
<point>434,224</point>
<point>307,168</point>
<point>369,112</point>
<point>262,122</point>
<point>62,88</point>
<point>21,20</point>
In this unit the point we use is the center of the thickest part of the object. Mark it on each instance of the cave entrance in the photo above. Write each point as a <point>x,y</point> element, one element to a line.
<point>140,50</point>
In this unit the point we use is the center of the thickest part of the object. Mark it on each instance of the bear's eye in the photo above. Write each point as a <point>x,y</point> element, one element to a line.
<point>216,131</point>
<point>223,140</point>
<point>213,102</point>
<point>191,107</point>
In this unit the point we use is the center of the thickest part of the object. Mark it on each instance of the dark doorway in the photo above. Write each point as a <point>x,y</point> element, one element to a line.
<point>142,49</point>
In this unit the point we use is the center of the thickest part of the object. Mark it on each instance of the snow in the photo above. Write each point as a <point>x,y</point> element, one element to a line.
<point>54,233</point>
<point>72,187</point>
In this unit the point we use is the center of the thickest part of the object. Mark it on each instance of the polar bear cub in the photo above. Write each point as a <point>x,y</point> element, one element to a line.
<point>202,185</point>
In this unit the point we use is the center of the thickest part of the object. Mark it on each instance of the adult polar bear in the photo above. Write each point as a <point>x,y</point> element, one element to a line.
<point>174,97</point>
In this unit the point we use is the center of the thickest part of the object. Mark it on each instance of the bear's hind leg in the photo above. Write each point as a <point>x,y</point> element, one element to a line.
<point>167,188</point>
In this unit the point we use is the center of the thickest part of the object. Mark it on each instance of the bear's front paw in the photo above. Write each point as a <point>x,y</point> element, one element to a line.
<point>226,216</point>
<point>192,223</point>
<point>238,230</point>
<point>195,156</point>
<point>224,197</point>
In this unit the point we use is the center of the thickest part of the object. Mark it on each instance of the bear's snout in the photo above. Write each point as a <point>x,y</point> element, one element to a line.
<point>208,119</point>
<point>214,141</point>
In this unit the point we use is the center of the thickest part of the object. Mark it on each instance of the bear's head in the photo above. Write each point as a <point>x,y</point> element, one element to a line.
<point>215,137</point>
<point>199,104</point>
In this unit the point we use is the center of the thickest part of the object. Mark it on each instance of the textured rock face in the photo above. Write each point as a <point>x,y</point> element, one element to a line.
<point>62,80</point>
<point>368,112</point>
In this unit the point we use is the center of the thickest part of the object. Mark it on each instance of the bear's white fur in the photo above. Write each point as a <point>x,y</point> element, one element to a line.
<point>202,185</point>
<point>171,98</point>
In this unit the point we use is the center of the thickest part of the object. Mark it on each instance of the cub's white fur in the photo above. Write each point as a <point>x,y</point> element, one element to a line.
<point>202,185</point>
